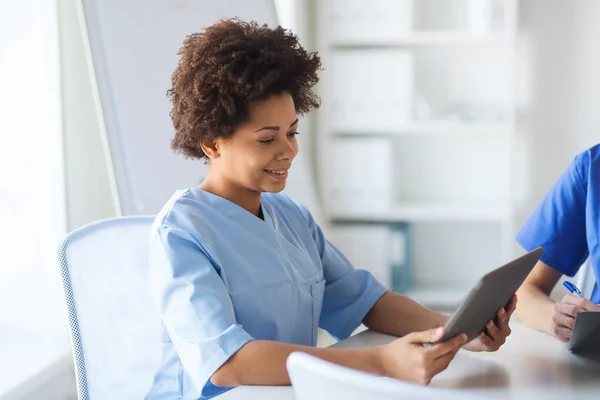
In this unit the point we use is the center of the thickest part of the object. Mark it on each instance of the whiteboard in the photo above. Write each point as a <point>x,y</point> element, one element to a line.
<point>132,52</point>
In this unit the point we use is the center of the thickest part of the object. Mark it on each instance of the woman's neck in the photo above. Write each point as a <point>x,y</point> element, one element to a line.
<point>243,197</point>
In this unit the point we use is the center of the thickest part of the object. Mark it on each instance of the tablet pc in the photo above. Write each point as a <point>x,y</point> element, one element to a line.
<point>493,291</point>
<point>586,333</point>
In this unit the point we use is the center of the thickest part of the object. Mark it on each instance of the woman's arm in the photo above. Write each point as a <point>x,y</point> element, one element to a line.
<point>263,362</point>
<point>399,315</point>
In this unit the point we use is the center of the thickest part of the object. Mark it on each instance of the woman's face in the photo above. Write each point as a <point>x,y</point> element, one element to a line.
<point>260,152</point>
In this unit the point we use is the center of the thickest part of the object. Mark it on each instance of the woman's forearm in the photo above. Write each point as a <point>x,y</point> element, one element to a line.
<point>263,362</point>
<point>399,315</point>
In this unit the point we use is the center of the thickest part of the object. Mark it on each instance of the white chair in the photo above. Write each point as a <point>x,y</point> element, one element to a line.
<point>115,328</point>
<point>315,379</point>
<point>586,279</point>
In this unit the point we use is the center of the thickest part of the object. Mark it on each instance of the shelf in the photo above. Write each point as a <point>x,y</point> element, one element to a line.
<point>427,39</point>
<point>438,297</point>
<point>446,128</point>
<point>424,213</point>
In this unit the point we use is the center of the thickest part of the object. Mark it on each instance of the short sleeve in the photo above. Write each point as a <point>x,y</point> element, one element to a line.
<point>193,303</point>
<point>558,223</point>
<point>349,293</point>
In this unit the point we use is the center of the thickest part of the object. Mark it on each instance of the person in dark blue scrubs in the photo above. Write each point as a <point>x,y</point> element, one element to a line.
<point>567,225</point>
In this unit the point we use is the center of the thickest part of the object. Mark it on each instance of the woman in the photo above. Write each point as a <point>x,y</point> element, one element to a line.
<point>567,225</point>
<point>242,275</point>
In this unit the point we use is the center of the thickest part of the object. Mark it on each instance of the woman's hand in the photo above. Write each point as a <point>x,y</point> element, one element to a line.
<point>565,313</point>
<point>496,332</point>
<point>408,359</point>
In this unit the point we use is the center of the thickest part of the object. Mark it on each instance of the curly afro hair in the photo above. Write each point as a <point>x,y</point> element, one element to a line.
<point>224,68</point>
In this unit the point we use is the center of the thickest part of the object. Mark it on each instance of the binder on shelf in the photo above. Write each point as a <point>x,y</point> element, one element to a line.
<point>485,16</point>
<point>370,21</point>
<point>361,174</point>
<point>365,246</point>
<point>383,250</point>
<point>399,258</point>
<point>378,176</point>
<point>345,189</point>
<point>354,165</point>
<point>371,89</point>
<point>337,185</point>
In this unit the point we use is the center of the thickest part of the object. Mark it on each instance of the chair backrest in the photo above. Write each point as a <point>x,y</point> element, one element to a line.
<point>115,328</point>
<point>586,279</point>
<point>315,379</point>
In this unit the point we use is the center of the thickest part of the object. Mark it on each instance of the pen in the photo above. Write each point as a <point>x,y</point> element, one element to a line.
<point>572,288</point>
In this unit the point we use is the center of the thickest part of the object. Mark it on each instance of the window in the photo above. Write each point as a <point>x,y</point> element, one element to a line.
<point>32,208</point>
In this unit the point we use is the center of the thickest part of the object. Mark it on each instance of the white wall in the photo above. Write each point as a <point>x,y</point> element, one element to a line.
<point>563,117</point>
<point>587,74</point>
<point>33,338</point>
<point>88,198</point>
<point>89,194</point>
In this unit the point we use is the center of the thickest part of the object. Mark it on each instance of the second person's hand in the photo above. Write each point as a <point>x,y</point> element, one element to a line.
<point>496,331</point>
<point>565,313</point>
<point>408,359</point>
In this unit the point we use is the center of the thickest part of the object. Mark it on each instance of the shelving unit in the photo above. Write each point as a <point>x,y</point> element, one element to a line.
<point>420,95</point>
<point>440,300</point>
<point>424,39</point>
<point>430,127</point>
<point>425,213</point>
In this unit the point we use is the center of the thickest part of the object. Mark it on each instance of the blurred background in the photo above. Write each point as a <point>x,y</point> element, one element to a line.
<point>443,124</point>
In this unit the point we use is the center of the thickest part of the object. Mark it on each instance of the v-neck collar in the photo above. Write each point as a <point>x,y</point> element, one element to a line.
<point>267,229</point>
<point>233,210</point>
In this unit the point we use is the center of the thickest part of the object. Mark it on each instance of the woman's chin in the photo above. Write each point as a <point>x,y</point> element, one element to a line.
<point>272,187</point>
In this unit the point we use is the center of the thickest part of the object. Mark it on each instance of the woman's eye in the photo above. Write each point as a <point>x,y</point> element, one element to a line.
<point>267,141</point>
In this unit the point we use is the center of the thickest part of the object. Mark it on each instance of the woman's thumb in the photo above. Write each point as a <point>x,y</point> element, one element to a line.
<point>437,334</point>
<point>429,336</point>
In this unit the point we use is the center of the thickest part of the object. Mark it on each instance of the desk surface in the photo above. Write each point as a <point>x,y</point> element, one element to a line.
<point>530,365</point>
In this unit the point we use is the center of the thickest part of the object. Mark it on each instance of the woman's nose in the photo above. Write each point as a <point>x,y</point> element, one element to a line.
<point>289,150</point>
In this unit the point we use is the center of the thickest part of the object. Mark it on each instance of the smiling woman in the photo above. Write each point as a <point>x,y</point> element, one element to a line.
<point>241,274</point>
<point>256,159</point>
<point>237,106</point>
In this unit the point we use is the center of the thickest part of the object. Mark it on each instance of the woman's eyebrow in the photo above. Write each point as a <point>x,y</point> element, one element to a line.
<point>274,128</point>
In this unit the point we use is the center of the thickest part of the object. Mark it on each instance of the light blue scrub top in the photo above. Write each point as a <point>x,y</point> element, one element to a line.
<point>567,221</point>
<point>221,276</point>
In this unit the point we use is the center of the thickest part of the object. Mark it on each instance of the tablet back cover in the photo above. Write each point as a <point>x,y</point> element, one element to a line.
<point>586,333</point>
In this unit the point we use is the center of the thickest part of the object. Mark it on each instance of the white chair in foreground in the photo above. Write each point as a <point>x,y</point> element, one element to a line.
<point>315,379</point>
<point>115,328</point>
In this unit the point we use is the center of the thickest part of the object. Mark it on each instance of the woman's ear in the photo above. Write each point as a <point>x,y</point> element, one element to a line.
<point>211,150</point>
